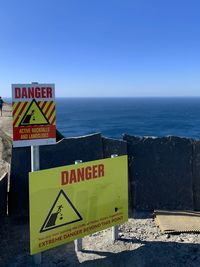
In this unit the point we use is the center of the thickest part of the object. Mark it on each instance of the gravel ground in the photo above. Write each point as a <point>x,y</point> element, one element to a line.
<point>141,243</point>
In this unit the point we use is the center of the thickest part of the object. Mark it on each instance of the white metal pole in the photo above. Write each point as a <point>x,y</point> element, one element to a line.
<point>115,230</point>
<point>35,166</point>
<point>78,242</point>
<point>35,158</point>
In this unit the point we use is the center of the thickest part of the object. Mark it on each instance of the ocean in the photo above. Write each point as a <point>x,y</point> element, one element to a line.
<point>136,116</point>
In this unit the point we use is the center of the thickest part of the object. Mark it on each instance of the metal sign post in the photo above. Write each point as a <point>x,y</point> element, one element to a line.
<point>115,230</point>
<point>35,166</point>
<point>78,242</point>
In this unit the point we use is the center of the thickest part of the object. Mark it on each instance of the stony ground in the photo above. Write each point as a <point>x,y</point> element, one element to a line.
<point>6,120</point>
<point>5,139</point>
<point>140,243</point>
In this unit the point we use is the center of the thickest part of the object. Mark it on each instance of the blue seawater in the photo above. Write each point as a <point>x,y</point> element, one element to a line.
<point>136,116</point>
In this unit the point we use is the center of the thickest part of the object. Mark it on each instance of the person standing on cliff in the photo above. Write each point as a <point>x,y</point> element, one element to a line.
<point>1,105</point>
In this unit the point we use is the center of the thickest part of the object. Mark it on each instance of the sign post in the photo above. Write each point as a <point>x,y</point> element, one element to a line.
<point>34,121</point>
<point>35,166</point>
<point>78,242</point>
<point>115,230</point>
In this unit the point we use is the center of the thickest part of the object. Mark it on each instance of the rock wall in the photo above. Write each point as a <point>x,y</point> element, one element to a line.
<point>3,195</point>
<point>164,173</point>
<point>113,146</point>
<point>196,174</point>
<point>160,173</point>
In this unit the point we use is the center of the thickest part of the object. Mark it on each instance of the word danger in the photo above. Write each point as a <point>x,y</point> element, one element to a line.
<point>82,174</point>
<point>33,92</point>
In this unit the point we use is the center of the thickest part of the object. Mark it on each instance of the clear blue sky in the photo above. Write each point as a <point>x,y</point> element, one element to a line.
<point>102,47</point>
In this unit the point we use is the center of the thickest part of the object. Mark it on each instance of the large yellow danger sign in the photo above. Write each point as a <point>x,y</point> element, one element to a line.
<point>73,201</point>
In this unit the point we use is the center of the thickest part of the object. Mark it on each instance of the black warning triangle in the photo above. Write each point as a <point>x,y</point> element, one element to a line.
<point>34,116</point>
<point>61,213</point>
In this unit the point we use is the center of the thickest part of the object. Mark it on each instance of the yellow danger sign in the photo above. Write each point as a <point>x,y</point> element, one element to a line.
<point>73,201</point>
<point>34,115</point>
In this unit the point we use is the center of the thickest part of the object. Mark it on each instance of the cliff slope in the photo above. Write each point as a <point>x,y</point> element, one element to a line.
<point>5,138</point>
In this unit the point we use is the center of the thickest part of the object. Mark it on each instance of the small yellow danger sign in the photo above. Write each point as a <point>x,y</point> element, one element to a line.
<point>73,201</point>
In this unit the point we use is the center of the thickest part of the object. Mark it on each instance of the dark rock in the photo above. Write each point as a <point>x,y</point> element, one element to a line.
<point>59,136</point>
<point>119,147</point>
<point>68,150</point>
<point>18,192</point>
<point>160,172</point>
<point>113,146</point>
<point>196,174</point>
<point>3,195</point>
